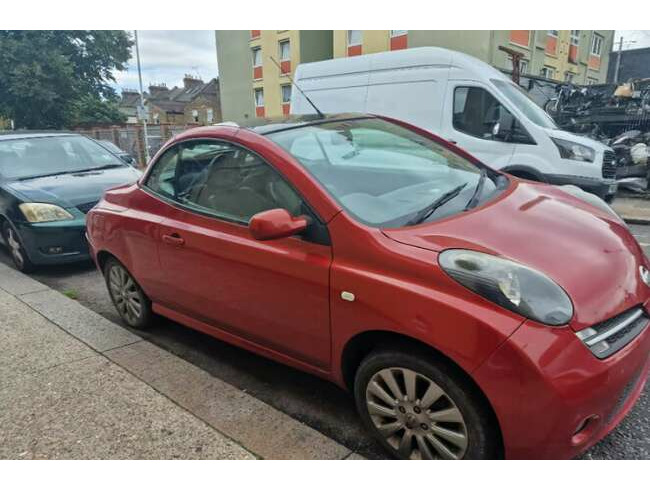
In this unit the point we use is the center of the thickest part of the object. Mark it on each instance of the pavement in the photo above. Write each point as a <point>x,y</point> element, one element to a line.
<point>634,210</point>
<point>75,385</point>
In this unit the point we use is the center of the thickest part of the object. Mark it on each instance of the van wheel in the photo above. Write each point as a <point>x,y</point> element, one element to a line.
<point>15,246</point>
<point>128,298</point>
<point>419,408</point>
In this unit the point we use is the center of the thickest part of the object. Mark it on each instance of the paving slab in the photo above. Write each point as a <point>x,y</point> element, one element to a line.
<point>84,324</point>
<point>18,283</point>
<point>259,427</point>
<point>93,409</point>
<point>29,343</point>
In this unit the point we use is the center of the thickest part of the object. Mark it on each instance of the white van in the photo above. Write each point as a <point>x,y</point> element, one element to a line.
<point>464,100</point>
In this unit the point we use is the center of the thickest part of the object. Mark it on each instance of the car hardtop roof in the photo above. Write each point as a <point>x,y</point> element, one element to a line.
<point>27,134</point>
<point>275,124</point>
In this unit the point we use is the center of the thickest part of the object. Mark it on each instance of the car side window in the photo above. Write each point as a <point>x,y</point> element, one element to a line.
<point>161,180</point>
<point>476,112</point>
<point>230,182</point>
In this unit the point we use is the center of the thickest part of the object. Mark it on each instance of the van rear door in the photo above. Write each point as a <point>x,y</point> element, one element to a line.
<point>471,111</point>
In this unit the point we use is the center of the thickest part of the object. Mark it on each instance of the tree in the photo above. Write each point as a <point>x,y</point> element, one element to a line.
<point>54,79</point>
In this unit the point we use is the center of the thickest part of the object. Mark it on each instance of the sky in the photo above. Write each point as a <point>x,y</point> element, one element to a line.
<point>167,55</point>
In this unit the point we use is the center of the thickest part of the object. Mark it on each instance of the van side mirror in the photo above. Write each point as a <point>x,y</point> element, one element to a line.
<point>276,223</point>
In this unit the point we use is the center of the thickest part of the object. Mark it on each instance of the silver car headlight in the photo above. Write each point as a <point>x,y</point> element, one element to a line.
<point>38,212</point>
<point>574,151</point>
<point>508,284</point>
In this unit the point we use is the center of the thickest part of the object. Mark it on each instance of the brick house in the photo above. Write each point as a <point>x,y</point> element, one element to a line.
<point>195,102</point>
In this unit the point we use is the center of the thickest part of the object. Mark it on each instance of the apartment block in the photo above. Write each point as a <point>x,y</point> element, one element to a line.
<point>252,85</point>
<point>257,65</point>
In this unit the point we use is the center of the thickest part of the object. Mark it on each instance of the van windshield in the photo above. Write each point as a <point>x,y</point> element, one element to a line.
<point>524,103</point>
<point>383,174</point>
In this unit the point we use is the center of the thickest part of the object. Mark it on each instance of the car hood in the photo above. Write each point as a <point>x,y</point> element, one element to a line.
<point>70,190</point>
<point>587,251</point>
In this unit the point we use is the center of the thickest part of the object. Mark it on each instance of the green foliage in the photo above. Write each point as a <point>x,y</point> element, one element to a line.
<point>71,293</point>
<point>54,79</point>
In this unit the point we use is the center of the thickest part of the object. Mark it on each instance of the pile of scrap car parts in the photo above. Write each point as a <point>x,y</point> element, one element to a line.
<point>618,115</point>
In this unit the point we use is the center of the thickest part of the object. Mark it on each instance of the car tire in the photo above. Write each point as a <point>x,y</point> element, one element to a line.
<point>133,306</point>
<point>439,416</point>
<point>14,244</point>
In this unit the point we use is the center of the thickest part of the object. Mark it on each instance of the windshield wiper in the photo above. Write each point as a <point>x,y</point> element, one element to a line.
<point>428,211</point>
<point>101,167</point>
<point>29,177</point>
<point>473,201</point>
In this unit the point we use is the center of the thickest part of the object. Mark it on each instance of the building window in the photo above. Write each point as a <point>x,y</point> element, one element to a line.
<point>591,81</point>
<point>398,33</point>
<point>547,72</point>
<point>259,97</point>
<point>575,38</point>
<point>597,45</point>
<point>553,33</point>
<point>209,115</point>
<point>156,118</point>
<point>286,94</point>
<point>355,38</point>
<point>568,76</point>
<point>195,115</point>
<point>257,57</point>
<point>285,50</point>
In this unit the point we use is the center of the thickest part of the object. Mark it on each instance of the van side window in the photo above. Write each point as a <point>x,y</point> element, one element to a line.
<point>476,112</point>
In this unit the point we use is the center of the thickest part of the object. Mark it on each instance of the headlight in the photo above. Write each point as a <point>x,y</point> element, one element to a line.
<point>510,285</point>
<point>36,212</point>
<point>574,151</point>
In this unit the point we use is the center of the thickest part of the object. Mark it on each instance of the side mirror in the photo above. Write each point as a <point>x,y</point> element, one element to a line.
<point>275,223</point>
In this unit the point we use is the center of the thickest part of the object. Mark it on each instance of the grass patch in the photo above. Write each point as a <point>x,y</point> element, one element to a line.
<point>71,293</point>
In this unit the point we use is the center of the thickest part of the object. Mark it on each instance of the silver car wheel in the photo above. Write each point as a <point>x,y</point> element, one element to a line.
<point>125,294</point>
<point>15,248</point>
<point>415,415</point>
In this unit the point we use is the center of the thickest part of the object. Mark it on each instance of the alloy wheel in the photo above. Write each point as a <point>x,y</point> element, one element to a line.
<point>15,248</point>
<point>415,415</point>
<point>125,294</point>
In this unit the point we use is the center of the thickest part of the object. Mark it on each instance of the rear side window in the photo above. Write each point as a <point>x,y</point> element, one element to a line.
<point>476,111</point>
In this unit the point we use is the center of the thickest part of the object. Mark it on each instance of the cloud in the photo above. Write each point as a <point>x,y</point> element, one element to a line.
<point>166,56</point>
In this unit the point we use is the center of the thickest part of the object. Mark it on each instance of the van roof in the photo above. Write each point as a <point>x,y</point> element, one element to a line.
<point>406,58</point>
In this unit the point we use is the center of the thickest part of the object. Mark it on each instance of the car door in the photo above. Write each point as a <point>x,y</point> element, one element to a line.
<point>274,293</point>
<point>470,114</point>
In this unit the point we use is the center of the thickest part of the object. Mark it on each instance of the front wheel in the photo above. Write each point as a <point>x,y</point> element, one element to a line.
<point>128,298</point>
<point>15,245</point>
<point>422,409</point>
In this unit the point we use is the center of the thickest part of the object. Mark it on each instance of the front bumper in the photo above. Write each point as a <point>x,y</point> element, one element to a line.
<point>40,239</point>
<point>603,188</point>
<point>553,398</point>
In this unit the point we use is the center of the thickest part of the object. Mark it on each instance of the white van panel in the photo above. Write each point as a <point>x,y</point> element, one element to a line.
<point>417,103</point>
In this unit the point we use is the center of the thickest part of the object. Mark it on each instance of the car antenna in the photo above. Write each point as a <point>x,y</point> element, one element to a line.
<point>320,114</point>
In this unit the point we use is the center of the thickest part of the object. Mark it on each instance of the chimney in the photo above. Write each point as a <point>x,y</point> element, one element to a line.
<point>190,81</point>
<point>158,90</point>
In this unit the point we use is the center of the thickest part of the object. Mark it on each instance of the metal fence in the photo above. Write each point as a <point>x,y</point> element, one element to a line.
<point>131,138</point>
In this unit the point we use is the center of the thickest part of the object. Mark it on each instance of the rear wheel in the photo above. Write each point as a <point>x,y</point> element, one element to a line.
<point>422,409</point>
<point>15,246</point>
<point>128,298</point>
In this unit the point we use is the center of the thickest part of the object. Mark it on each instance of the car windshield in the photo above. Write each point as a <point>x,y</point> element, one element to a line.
<point>525,104</point>
<point>110,146</point>
<point>25,158</point>
<point>382,173</point>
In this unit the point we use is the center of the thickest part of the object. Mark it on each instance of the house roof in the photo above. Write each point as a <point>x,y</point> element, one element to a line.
<point>175,99</point>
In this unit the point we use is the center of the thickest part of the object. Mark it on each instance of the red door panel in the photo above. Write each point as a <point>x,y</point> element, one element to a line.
<point>274,293</point>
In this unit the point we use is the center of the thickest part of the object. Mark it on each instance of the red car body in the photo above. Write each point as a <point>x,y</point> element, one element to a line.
<point>282,298</point>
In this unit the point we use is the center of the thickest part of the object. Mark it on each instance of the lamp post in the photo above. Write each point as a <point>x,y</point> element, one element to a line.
<point>142,112</point>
